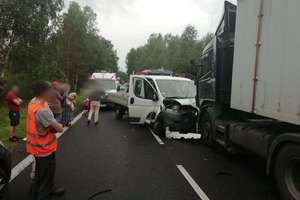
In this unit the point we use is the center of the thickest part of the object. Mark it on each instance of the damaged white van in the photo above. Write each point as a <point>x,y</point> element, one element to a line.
<point>160,101</point>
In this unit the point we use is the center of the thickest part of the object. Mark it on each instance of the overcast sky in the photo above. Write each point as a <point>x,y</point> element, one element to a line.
<point>128,23</point>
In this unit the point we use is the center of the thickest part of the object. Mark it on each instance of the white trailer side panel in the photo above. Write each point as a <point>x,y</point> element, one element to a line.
<point>244,54</point>
<point>278,86</point>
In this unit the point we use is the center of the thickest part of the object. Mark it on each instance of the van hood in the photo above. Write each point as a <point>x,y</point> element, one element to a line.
<point>185,102</point>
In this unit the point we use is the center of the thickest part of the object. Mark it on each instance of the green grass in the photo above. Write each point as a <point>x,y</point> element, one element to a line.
<point>5,124</point>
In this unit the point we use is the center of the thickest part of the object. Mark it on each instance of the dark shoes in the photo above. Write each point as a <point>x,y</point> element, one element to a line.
<point>89,122</point>
<point>58,191</point>
<point>15,139</point>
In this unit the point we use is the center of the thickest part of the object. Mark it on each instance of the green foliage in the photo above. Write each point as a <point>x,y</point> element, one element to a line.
<point>81,49</point>
<point>37,41</point>
<point>169,51</point>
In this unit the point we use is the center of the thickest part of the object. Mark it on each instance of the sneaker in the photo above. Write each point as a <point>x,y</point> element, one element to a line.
<point>88,123</point>
<point>58,191</point>
<point>19,138</point>
<point>13,139</point>
<point>96,123</point>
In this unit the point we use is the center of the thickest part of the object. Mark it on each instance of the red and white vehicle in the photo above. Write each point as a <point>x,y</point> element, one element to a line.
<point>108,82</point>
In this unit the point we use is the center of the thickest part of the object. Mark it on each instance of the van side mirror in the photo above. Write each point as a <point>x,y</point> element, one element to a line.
<point>155,97</point>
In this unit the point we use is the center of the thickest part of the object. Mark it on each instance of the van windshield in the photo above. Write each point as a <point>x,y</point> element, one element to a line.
<point>176,88</point>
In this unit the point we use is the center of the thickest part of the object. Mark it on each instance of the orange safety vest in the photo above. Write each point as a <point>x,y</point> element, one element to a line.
<point>38,142</point>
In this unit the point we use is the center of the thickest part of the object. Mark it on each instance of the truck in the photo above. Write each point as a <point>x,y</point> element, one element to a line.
<point>108,82</point>
<point>248,87</point>
<point>162,101</point>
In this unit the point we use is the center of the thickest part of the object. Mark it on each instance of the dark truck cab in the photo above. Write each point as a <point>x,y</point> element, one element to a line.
<point>278,143</point>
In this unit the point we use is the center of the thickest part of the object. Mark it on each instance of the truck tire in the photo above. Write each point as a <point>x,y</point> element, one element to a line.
<point>159,127</point>
<point>119,112</point>
<point>287,173</point>
<point>206,128</point>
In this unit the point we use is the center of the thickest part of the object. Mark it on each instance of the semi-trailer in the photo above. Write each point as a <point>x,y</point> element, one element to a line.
<point>248,87</point>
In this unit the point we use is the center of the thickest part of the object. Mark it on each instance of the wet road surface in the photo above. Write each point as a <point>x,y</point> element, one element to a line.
<point>129,161</point>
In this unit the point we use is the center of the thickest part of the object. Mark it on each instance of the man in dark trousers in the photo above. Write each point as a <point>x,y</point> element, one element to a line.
<point>41,128</point>
<point>13,102</point>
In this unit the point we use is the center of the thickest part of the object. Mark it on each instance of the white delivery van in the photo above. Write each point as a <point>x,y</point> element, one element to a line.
<point>160,101</point>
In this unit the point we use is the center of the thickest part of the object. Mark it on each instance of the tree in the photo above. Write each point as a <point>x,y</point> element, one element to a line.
<point>26,27</point>
<point>82,50</point>
<point>171,52</point>
<point>37,41</point>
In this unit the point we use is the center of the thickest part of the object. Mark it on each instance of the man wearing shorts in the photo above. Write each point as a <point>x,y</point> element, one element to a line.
<point>13,102</point>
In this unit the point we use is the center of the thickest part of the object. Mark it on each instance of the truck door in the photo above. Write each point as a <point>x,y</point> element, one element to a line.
<point>143,99</point>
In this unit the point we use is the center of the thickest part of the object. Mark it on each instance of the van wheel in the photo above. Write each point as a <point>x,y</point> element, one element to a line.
<point>206,129</point>
<point>159,127</point>
<point>287,173</point>
<point>119,112</point>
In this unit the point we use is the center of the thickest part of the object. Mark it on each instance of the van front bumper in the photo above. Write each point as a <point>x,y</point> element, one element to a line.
<point>183,121</point>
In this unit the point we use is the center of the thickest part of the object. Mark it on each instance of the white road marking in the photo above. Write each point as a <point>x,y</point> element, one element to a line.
<point>193,183</point>
<point>29,159</point>
<point>156,137</point>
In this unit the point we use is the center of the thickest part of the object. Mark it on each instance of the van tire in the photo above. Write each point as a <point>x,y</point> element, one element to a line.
<point>159,127</point>
<point>286,172</point>
<point>119,112</point>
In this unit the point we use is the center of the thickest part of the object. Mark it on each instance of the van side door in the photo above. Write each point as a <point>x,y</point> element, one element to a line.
<point>143,99</point>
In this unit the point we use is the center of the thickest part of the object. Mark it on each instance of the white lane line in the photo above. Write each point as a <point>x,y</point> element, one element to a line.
<point>29,159</point>
<point>156,137</point>
<point>193,183</point>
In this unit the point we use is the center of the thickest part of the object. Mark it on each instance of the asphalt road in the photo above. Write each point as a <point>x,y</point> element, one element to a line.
<point>128,160</point>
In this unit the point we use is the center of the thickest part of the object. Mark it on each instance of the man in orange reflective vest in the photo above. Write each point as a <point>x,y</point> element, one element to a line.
<point>41,127</point>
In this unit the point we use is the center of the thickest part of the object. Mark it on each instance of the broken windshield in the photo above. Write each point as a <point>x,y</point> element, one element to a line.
<point>177,88</point>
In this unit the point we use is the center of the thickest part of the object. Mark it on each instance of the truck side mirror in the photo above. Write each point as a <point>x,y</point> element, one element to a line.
<point>118,88</point>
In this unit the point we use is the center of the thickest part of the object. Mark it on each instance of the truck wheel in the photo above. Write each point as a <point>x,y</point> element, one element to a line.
<point>159,127</point>
<point>206,129</point>
<point>119,112</point>
<point>287,173</point>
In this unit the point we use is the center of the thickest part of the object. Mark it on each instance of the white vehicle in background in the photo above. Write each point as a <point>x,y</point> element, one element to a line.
<point>108,82</point>
<point>160,101</point>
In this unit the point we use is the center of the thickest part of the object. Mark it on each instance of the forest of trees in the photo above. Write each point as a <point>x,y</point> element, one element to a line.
<point>39,41</point>
<point>172,52</point>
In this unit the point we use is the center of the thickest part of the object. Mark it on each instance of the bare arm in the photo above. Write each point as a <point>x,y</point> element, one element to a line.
<point>17,101</point>
<point>57,126</point>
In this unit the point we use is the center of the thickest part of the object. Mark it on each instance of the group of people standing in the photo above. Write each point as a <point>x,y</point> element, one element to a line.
<point>62,104</point>
<point>50,109</point>
<point>48,112</point>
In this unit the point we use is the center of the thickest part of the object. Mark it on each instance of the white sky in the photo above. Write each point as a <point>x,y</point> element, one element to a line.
<point>128,23</point>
